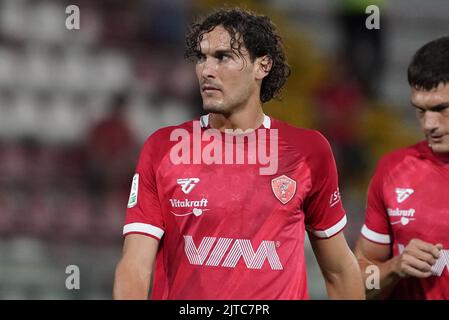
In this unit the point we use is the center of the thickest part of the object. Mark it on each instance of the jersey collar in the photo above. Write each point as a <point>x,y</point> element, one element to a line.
<point>204,121</point>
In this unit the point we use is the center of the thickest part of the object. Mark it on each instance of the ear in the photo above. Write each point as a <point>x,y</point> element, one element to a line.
<point>263,66</point>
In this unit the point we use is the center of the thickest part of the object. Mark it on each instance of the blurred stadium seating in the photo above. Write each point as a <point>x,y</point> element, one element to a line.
<point>69,99</point>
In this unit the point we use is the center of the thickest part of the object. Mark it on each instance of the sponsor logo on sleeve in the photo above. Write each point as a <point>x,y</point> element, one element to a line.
<point>335,198</point>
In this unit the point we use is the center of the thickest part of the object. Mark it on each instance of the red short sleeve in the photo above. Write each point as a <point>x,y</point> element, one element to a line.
<point>323,209</point>
<point>377,225</point>
<point>144,214</point>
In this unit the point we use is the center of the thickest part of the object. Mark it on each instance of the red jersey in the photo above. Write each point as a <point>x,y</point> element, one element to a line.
<point>406,200</point>
<point>226,231</point>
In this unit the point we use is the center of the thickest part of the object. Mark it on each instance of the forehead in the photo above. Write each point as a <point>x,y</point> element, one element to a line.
<point>217,39</point>
<point>431,98</point>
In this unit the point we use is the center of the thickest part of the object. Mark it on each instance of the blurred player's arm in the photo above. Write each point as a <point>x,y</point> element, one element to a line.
<point>339,267</point>
<point>415,261</point>
<point>134,270</point>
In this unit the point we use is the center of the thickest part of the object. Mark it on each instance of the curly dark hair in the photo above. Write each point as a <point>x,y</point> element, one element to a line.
<point>256,33</point>
<point>430,65</point>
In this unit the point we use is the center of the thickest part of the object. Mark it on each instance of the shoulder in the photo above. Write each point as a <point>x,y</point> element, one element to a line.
<point>160,142</point>
<point>397,161</point>
<point>392,159</point>
<point>161,136</point>
<point>307,140</point>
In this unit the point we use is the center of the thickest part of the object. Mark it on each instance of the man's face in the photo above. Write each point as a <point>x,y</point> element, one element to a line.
<point>226,81</point>
<point>432,109</point>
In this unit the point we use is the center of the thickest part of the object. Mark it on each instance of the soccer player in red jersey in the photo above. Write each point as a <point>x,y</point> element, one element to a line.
<point>216,224</point>
<point>406,231</point>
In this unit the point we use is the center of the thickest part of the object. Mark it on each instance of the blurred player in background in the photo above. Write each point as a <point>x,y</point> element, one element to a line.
<point>406,231</point>
<point>223,230</point>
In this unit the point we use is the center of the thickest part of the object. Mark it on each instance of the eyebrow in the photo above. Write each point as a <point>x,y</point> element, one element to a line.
<point>224,51</point>
<point>221,51</point>
<point>436,108</point>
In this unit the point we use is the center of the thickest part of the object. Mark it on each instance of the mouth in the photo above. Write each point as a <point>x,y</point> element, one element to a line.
<point>436,138</point>
<point>209,89</point>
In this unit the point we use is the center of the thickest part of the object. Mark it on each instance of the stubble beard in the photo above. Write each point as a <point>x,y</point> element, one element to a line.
<point>217,107</point>
<point>441,147</point>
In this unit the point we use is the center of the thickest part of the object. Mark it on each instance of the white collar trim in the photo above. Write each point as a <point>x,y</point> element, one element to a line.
<point>204,121</point>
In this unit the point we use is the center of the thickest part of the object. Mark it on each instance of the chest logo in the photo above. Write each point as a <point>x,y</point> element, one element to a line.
<point>284,188</point>
<point>405,216</point>
<point>187,185</point>
<point>403,193</point>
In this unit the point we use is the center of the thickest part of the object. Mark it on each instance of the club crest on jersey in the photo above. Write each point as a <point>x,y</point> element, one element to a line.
<point>284,188</point>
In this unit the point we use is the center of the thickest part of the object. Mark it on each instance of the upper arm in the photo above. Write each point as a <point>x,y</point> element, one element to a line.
<point>333,254</point>
<point>140,250</point>
<point>133,273</point>
<point>339,267</point>
<point>371,251</point>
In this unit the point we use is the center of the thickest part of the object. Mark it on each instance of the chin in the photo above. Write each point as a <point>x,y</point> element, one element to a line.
<point>440,148</point>
<point>214,108</point>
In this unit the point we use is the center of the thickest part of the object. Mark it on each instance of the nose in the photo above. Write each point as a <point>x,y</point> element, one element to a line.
<point>208,69</point>
<point>431,121</point>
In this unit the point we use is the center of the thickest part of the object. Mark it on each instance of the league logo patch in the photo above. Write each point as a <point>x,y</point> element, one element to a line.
<point>283,188</point>
<point>134,191</point>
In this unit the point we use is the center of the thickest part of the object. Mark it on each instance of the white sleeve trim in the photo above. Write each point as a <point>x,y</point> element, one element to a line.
<point>336,228</point>
<point>143,228</point>
<point>374,236</point>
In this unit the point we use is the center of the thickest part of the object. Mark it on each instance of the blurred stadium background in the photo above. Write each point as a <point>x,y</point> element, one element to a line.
<point>76,106</point>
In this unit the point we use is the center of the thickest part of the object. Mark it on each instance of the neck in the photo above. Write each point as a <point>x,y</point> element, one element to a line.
<point>244,119</point>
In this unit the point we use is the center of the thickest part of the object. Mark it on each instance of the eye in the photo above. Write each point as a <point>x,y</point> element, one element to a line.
<point>199,58</point>
<point>420,111</point>
<point>223,56</point>
<point>439,108</point>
